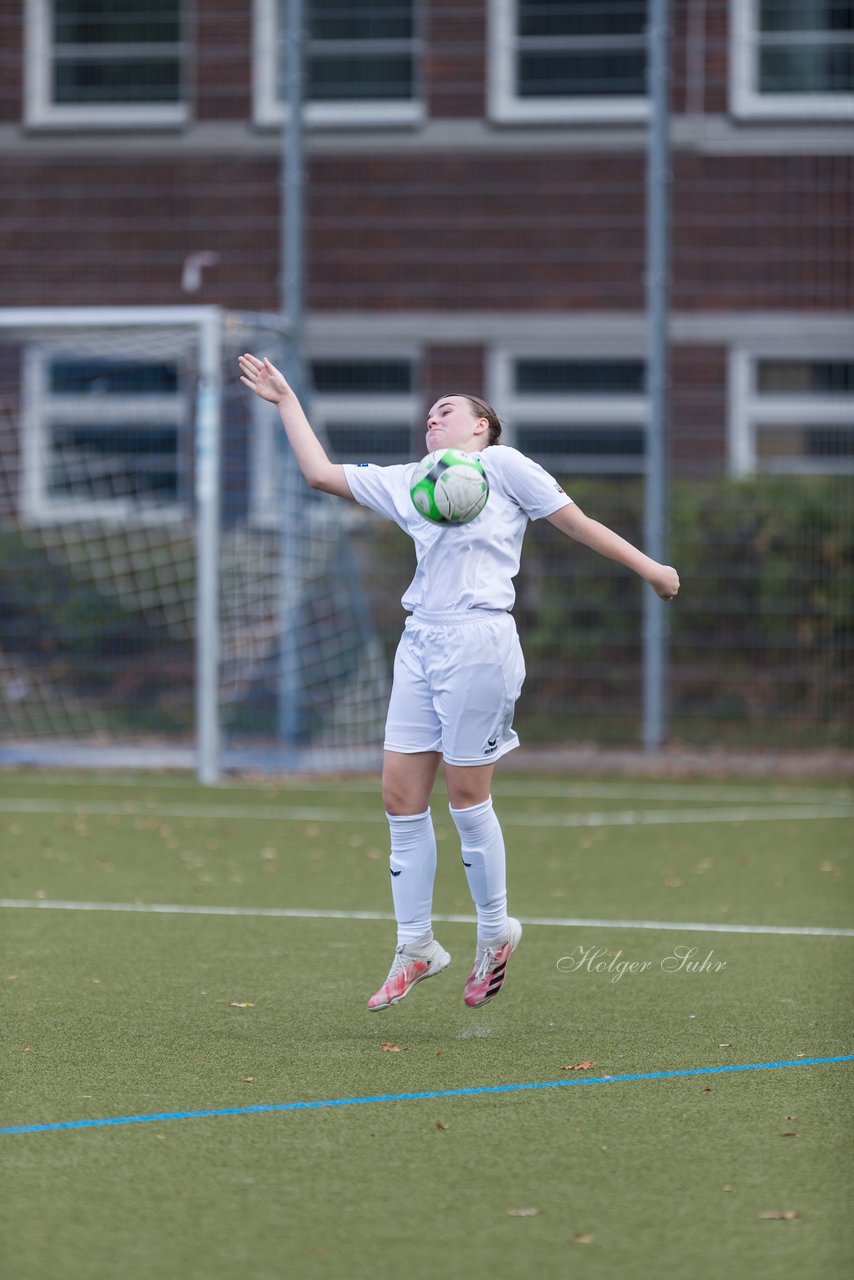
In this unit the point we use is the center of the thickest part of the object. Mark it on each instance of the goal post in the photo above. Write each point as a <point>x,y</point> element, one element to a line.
<point>142,580</point>
<point>37,325</point>
<point>208,453</point>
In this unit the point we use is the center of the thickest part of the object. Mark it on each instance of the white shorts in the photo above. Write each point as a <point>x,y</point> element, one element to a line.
<point>456,680</point>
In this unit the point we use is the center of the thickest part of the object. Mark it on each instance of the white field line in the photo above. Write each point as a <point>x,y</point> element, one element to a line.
<point>299,813</point>
<point>301,913</point>
<point>776,791</point>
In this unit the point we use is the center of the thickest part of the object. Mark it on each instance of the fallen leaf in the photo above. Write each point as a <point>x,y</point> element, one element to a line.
<point>781,1215</point>
<point>438,1053</point>
<point>727,1187</point>
<point>707,1089</point>
<point>249,1079</point>
<point>240,1004</point>
<point>791,1117</point>
<point>390,1048</point>
<point>160,1137</point>
<point>578,1066</point>
<point>523,1213</point>
<point>582,1237</point>
<point>800,1055</point>
<point>789,1134</point>
<point>440,1124</point>
<point>725,1045</point>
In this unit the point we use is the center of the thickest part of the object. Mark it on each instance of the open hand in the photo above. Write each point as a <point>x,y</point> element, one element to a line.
<point>263,378</point>
<point>665,582</point>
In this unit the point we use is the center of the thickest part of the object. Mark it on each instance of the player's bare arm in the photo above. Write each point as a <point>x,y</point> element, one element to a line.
<point>663,579</point>
<point>269,383</point>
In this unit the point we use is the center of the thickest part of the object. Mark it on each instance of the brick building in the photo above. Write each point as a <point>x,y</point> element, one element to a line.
<point>475,205</point>
<point>475,216</point>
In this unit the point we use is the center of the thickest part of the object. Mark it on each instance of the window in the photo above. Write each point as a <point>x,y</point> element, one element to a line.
<point>575,415</point>
<point>367,409</point>
<point>793,57</point>
<point>791,414</point>
<point>105,62</point>
<point>103,438</point>
<point>362,61</point>
<point>568,60</point>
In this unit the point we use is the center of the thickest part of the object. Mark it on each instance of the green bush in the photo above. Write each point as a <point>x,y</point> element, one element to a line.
<point>762,634</point>
<point>77,639</point>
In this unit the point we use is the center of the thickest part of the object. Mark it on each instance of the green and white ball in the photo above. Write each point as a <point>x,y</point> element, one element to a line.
<point>449,487</point>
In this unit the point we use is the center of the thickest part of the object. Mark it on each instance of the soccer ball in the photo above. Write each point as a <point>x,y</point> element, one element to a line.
<point>449,487</point>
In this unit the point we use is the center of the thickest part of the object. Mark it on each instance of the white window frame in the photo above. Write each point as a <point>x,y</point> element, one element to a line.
<point>41,110</point>
<point>566,410</point>
<point>750,409</point>
<point>370,409</point>
<point>42,410</point>
<point>506,106</point>
<point>745,97</point>
<point>269,111</point>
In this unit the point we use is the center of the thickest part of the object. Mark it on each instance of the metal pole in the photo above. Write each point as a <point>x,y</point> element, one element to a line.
<point>293,494</point>
<point>655,636</point>
<point>292,176</point>
<point>208,426</point>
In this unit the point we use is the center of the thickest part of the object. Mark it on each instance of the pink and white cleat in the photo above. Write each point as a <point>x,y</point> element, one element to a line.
<point>490,967</point>
<point>411,965</point>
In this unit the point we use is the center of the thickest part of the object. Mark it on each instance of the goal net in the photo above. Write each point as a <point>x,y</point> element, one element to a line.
<point>170,590</point>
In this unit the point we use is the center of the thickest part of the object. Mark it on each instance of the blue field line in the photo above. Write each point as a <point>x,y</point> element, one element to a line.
<point>419,1097</point>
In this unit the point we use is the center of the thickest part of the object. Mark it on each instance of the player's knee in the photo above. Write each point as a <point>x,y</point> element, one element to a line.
<point>468,786</point>
<point>464,796</point>
<point>408,781</point>
<point>399,799</point>
<point>393,800</point>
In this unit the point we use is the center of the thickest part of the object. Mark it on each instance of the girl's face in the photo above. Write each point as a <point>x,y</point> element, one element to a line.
<point>452,424</point>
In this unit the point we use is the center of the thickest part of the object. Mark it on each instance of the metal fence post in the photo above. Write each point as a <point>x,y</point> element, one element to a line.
<point>208,430</point>
<point>655,510</point>
<point>292,492</point>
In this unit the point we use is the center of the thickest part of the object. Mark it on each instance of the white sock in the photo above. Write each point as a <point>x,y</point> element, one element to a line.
<point>413,870</point>
<point>484,861</point>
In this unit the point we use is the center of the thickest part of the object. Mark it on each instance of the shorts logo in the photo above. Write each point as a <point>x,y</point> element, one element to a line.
<point>395,873</point>
<point>491,745</point>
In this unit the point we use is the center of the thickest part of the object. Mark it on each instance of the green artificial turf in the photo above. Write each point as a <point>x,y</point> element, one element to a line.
<point>110,1014</point>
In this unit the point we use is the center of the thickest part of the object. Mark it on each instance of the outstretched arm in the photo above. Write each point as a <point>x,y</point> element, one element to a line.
<point>266,381</point>
<point>663,579</point>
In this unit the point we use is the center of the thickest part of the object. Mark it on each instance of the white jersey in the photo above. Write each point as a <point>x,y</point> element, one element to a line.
<point>464,566</point>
